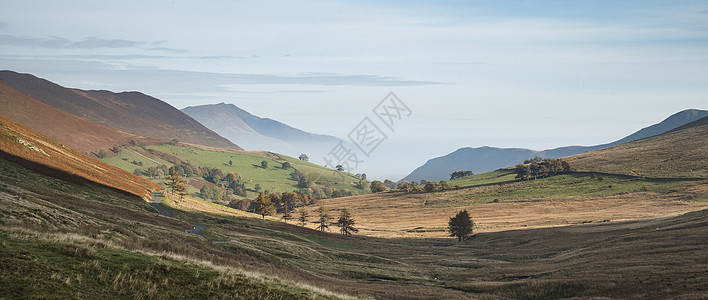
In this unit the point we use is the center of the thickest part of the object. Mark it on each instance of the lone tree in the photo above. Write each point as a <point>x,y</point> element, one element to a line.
<point>346,223</point>
<point>302,217</point>
<point>304,157</point>
<point>286,165</point>
<point>264,164</point>
<point>460,225</point>
<point>377,186</point>
<point>323,218</point>
<point>174,182</point>
<point>264,206</point>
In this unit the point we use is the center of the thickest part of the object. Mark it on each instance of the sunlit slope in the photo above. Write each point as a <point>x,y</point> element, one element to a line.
<point>41,154</point>
<point>246,163</point>
<point>681,153</point>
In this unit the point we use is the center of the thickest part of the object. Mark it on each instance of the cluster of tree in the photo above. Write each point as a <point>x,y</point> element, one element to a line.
<point>345,222</point>
<point>378,186</point>
<point>424,187</point>
<point>309,186</point>
<point>460,174</point>
<point>538,167</point>
<point>280,202</point>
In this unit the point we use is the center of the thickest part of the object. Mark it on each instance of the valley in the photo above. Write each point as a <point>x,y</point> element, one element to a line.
<point>629,220</point>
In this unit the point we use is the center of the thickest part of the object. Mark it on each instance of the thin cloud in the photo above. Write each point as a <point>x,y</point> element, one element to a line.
<point>54,42</point>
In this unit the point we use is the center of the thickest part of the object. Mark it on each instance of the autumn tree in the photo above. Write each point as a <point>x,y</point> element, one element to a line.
<point>302,216</point>
<point>346,223</point>
<point>264,206</point>
<point>287,214</point>
<point>377,186</point>
<point>460,225</point>
<point>174,181</point>
<point>323,218</point>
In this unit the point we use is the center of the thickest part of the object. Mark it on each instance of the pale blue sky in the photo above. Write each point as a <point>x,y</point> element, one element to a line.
<point>532,74</point>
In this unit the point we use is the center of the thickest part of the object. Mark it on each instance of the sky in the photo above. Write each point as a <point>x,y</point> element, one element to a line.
<point>527,74</point>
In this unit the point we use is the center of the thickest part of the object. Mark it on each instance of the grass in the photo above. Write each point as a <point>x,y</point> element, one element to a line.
<point>246,163</point>
<point>564,186</point>
<point>676,154</point>
<point>68,240</point>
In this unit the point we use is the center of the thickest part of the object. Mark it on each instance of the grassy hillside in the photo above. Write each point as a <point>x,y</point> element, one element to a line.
<point>75,132</point>
<point>130,112</point>
<point>680,153</point>
<point>37,152</point>
<point>497,201</point>
<point>246,163</point>
<point>65,240</point>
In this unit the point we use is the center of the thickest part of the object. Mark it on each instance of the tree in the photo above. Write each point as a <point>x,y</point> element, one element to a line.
<point>302,216</point>
<point>339,168</point>
<point>431,186</point>
<point>323,218</point>
<point>460,174</point>
<point>377,186</point>
<point>405,186</point>
<point>460,225</point>
<point>390,184</point>
<point>264,164</point>
<point>174,181</point>
<point>346,223</point>
<point>287,214</point>
<point>102,154</point>
<point>286,165</point>
<point>257,188</point>
<point>182,191</point>
<point>231,163</point>
<point>304,157</point>
<point>138,172</point>
<point>264,206</point>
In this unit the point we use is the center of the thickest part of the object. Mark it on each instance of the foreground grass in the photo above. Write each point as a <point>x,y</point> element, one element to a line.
<point>79,239</point>
<point>44,265</point>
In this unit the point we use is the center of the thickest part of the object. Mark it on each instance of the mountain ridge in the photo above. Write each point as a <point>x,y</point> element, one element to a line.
<point>256,133</point>
<point>131,112</point>
<point>439,168</point>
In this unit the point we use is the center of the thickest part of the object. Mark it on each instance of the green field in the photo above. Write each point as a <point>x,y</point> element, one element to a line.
<point>245,163</point>
<point>62,240</point>
<point>501,186</point>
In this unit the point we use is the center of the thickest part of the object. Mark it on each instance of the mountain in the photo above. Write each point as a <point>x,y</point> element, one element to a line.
<point>130,112</point>
<point>679,153</point>
<point>485,159</point>
<point>23,146</point>
<point>256,133</point>
<point>75,132</point>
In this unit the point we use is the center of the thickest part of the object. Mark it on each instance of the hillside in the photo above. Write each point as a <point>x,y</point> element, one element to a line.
<point>680,153</point>
<point>75,132</point>
<point>246,164</point>
<point>256,133</point>
<point>485,159</point>
<point>79,241</point>
<point>130,112</point>
<point>41,154</point>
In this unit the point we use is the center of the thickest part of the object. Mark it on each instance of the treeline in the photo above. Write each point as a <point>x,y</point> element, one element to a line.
<point>424,186</point>
<point>460,174</point>
<point>269,204</point>
<point>309,186</point>
<point>538,168</point>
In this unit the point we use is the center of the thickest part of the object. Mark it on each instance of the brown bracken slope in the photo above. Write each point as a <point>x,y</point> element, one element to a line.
<point>130,112</point>
<point>77,133</point>
<point>39,153</point>
<point>680,153</point>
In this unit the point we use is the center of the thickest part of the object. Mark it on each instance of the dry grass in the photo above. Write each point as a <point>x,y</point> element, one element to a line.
<point>426,215</point>
<point>676,154</point>
<point>39,153</point>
